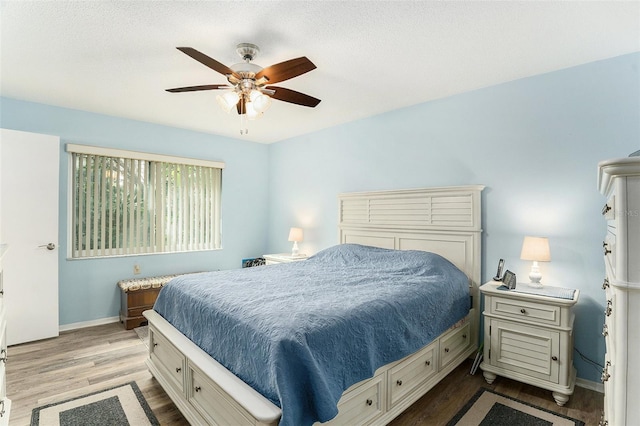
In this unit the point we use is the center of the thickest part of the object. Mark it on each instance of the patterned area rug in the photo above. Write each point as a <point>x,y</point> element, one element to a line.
<point>123,405</point>
<point>488,408</point>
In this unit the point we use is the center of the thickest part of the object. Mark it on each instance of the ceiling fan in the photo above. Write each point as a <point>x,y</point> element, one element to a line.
<point>248,83</point>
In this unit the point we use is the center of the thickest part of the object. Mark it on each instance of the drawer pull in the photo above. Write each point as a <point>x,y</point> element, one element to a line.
<point>605,330</point>
<point>523,311</point>
<point>608,311</point>
<point>555,358</point>
<point>3,355</point>
<point>197,388</point>
<point>399,382</point>
<point>369,402</point>
<point>606,209</point>
<point>605,284</point>
<point>604,246</point>
<point>155,345</point>
<point>178,369</point>
<point>428,362</point>
<point>446,350</point>
<point>464,336</point>
<point>2,411</point>
<point>605,372</point>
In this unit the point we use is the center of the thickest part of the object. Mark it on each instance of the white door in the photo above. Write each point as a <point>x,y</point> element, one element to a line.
<point>29,222</point>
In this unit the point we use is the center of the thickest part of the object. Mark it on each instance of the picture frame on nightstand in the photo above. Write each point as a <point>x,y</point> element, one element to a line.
<point>509,280</point>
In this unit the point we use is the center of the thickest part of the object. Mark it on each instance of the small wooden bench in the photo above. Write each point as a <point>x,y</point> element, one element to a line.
<point>138,295</point>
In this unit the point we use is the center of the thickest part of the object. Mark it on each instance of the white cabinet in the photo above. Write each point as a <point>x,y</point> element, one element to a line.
<point>272,259</point>
<point>5,403</point>
<point>529,338</point>
<point>619,182</point>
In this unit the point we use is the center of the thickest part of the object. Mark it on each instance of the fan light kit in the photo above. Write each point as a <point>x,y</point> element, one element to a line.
<point>248,91</point>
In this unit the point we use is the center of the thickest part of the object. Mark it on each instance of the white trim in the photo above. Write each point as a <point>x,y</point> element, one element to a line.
<point>92,323</point>
<point>588,384</point>
<point>111,152</point>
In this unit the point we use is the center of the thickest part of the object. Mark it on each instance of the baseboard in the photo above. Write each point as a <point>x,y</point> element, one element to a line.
<point>84,324</point>
<point>588,384</point>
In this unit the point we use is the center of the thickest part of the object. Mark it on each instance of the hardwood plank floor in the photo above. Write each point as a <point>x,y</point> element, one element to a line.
<point>91,359</point>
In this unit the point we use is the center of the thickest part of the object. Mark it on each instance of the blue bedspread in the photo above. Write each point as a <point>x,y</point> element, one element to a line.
<point>301,333</point>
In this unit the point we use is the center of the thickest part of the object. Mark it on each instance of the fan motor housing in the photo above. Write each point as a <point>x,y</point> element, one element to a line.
<point>247,51</point>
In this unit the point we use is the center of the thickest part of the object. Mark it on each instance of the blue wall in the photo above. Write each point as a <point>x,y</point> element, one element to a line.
<point>88,287</point>
<point>535,143</point>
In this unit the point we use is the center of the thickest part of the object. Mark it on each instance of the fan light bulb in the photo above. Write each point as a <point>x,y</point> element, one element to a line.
<point>260,101</point>
<point>228,100</point>
<point>252,114</point>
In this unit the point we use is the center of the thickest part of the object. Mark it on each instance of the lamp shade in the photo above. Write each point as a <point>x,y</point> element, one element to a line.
<point>536,248</point>
<point>296,234</point>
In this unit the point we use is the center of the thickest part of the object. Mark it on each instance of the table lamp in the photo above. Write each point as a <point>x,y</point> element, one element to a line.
<point>295,235</point>
<point>537,250</point>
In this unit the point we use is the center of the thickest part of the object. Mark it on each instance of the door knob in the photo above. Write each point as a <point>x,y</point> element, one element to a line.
<point>49,246</point>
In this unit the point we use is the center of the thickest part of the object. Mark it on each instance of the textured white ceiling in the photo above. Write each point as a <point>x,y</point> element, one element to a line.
<point>117,57</point>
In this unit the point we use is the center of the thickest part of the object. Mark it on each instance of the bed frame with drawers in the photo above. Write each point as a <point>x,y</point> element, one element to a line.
<point>444,220</point>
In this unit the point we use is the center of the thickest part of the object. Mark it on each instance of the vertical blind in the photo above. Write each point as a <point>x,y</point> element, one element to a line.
<point>124,206</point>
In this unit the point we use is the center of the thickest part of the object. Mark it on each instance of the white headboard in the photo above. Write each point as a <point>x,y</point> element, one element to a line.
<point>444,220</point>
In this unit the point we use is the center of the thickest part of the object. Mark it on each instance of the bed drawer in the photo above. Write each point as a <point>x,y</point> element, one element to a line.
<point>212,403</point>
<point>454,344</point>
<point>540,313</point>
<point>361,404</point>
<point>168,358</point>
<point>412,372</point>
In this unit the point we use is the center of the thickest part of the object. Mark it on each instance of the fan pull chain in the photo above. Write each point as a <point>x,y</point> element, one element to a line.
<point>244,124</point>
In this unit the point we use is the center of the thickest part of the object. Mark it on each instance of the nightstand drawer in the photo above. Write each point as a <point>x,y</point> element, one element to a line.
<point>524,310</point>
<point>274,259</point>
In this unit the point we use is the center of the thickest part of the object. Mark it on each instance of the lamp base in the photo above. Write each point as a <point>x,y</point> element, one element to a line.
<point>535,276</point>
<point>295,251</point>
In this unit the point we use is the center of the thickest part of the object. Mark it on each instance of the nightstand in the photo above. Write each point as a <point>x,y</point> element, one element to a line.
<point>529,337</point>
<point>272,259</point>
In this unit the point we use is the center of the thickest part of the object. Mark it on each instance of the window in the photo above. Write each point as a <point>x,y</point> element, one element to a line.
<point>126,203</point>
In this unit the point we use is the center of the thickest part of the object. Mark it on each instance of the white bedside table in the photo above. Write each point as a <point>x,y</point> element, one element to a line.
<point>272,259</point>
<point>529,338</point>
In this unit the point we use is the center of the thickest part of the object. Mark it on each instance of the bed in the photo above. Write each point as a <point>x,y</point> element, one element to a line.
<point>437,227</point>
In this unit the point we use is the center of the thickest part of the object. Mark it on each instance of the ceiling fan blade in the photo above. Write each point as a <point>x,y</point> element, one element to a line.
<point>196,88</point>
<point>286,70</point>
<point>291,96</point>
<point>206,60</point>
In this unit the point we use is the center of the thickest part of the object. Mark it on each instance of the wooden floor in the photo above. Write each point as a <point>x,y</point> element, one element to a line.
<point>91,359</point>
